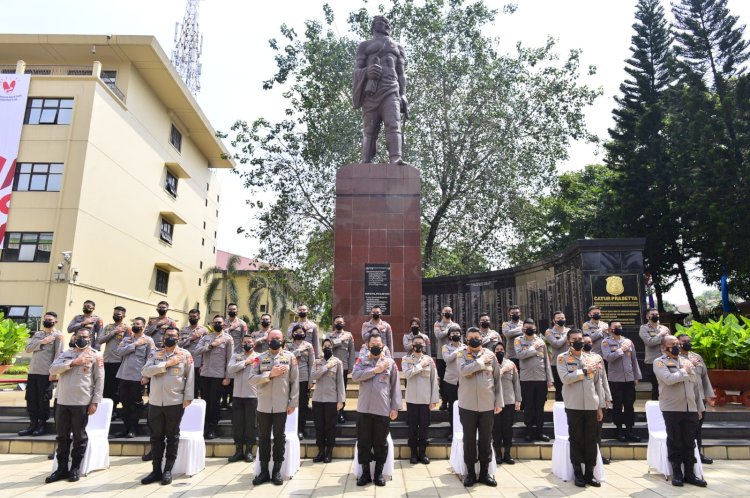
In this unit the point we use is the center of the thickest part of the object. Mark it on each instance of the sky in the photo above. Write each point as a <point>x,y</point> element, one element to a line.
<point>236,59</point>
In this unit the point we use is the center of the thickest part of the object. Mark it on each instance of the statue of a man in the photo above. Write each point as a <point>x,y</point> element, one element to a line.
<point>379,88</point>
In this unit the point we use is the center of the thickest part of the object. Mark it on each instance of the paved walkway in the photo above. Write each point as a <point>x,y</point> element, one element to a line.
<point>23,476</point>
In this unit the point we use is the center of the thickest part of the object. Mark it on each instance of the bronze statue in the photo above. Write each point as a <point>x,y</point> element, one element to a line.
<point>379,87</point>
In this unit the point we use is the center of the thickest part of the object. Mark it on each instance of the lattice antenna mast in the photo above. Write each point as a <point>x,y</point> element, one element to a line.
<point>188,47</point>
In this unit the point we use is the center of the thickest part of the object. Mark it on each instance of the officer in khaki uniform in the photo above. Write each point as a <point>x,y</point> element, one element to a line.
<point>440,333</point>
<point>377,324</point>
<point>172,377</point>
<point>652,333</point>
<point>415,329</point>
<point>510,330</point>
<point>80,371</point>
<point>190,336</point>
<point>260,336</point>
<point>502,429</point>
<point>623,375</point>
<point>276,375</point>
<point>536,379</point>
<point>422,395</point>
<point>450,381</point>
<point>310,328</point>
<point>305,354</point>
<point>681,403</point>
<point>134,351</point>
<point>244,402</point>
<point>605,401</point>
<point>110,340</point>
<point>489,337</point>
<point>581,375</point>
<point>707,392</point>
<point>557,341</point>
<point>328,397</point>
<point>237,328</point>
<point>596,328</point>
<point>343,349</point>
<point>217,348</point>
<point>157,326</point>
<point>88,320</point>
<point>480,398</point>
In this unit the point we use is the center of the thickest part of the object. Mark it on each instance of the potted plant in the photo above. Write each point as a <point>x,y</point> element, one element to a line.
<point>13,338</point>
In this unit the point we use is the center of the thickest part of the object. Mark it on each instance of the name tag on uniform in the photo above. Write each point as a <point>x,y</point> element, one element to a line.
<point>266,365</point>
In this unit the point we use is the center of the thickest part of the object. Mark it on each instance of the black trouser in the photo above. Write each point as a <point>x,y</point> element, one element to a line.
<point>418,420</point>
<point>38,394</point>
<point>211,390</point>
<point>623,399</point>
<point>450,396</point>
<point>197,384</point>
<point>648,374</point>
<point>304,405</point>
<point>271,423</point>
<point>243,420</point>
<point>534,393</point>
<point>324,415</point>
<point>440,364</point>
<point>372,438</point>
<point>682,427</point>
<point>71,418</point>
<point>473,422</point>
<point>131,396</point>
<point>226,392</point>
<point>582,432</point>
<point>111,387</point>
<point>558,385</point>
<point>164,422</point>
<point>502,428</point>
<point>699,433</point>
<point>346,382</point>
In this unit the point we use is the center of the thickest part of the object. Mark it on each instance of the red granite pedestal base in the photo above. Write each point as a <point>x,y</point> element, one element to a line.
<point>378,225</point>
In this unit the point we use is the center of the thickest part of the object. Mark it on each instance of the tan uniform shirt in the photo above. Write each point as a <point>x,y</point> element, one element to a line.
<point>651,337</point>
<point>237,328</point>
<point>311,334</point>
<point>79,385</point>
<point>680,389</point>
<point>241,373</point>
<point>450,353</point>
<point>511,382</point>
<point>702,372</point>
<point>534,363</point>
<point>382,327</point>
<point>480,388</point>
<point>422,385</point>
<point>623,365</point>
<point>510,331</point>
<point>43,355</point>
<point>440,330</point>
<point>156,328</point>
<point>343,348</point>
<point>110,339</point>
<point>490,338</point>
<point>557,340</point>
<point>275,394</point>
<point>597,331</point>
<point>581,390</point>
<point>171,385</point>
<point>409,338</point>
<point>133,357</point>
<point>260,338</point>
<point>215,359</point>
<point>189,339</point>
<point>94,328</point>
<point>329,381</point>
<point>305,356</point>
<point>379,393</point>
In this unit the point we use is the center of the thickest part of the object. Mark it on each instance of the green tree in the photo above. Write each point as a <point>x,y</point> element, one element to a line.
<point>227,278</point>
<point>272,288</point>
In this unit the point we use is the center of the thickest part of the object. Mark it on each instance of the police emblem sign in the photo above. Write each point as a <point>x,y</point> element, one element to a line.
<point>617,297</point>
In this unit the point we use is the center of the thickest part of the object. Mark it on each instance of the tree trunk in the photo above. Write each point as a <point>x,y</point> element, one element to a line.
<point>688,288</point>
<point>659,293</point>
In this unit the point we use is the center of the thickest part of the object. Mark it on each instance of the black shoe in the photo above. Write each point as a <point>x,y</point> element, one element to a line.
<point>677,479</point>
<point>378,479</point>
<point>276,474</point>
<point>130,435</point>
<point>342,419</point>
<point>705,460</point>
<point>621,437</point>
<point>329,455</point>
<point>320,456</point>
<point>444,406</point>
<point>250,455</point>
<point>578,480</point>
<point>148,456</point>
<point>154,476</point>
<point>27,432</point>
<point>632,438</point>
<point>691,478</point>
<point>210,435</point>
<point>422,456</point>
<point>470,480</point>
<point>238,454</point>
<point>300,435</point>
<point>58,475</point>
<point>507,459</point>
<point>74,475</point>
<point>498,458</point>
<point>120,435</point>
<point>450,436</point>
<point>542,437</point>
<point>486,479</point>
<point>39,431</point>
<point>51,456</point>
<point>605,461</point>
<point>365,478</point>
<point>590,479</point>
<point>263,477</point>
<point>166,478</point>
<point>413,458</point>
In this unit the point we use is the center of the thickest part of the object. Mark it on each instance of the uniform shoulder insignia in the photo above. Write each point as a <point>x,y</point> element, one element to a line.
<point>517,341</point>
<point>659,363</point>
<point>560,359</point>
<point>459,354</point>
<point>586,326</point>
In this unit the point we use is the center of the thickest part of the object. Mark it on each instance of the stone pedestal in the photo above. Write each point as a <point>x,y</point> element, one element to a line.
<point>378,229</point>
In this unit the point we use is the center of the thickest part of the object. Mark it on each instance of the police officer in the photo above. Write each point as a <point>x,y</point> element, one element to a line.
<point>190,336</point>
<point>305,356</point>
<point>450,381</point>
<point>79,391</point>
<point>536,379</point>
<point>707,392</point>
<point>580,373</point>
<point>623,375</point>
<point>510,330</point>
<point>596,328</point>
<point>606,400</point>
<point>310,328</point>
<point>489,337</point>
<point>557,341</point>
<point>652,333</point>
<point>480,398</point>
<point>378,403</point>
<point>244,402</point>
<point>415,330</point>
<point>502,428</point>
<point>237,328</point>
<point>217,348</point>
<point>422,395</point>
<point>260,336</point>
<point>328,397</point>
<point>343,349</point>
<point>134,351</point>
<point>45,346</point>
<point>377,324</point>
<point>88,320</point>
<point>172,376</point>
<point>110,340</point>
<point>681,403</point>
<point>276,376</point>
<point>440,331</point>
<point>157,326</point>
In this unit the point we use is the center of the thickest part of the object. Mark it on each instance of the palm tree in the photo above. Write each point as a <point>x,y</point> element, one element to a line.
<point>226,276</point>
<point>272,287</point>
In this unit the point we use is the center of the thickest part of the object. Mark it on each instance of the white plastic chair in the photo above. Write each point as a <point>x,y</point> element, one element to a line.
<point>97,449</point>
<point>291,463</point>
<point>191,453</point>
<point>457,449</point>
<point>387,467</point>
<point>656,453</point>
<point>561,464</point>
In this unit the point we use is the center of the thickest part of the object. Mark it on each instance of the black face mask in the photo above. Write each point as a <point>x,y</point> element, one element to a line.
<point>265,323</point>
<point>327,353</point>
<point>136,329</point>
<point>530,331</point>
<point>414,329</point>
<point>474,342</point>
<point>500,357</point>
<point>116,318</point>
<point>617,331</point>
<point>87,309</point>
<point>587,347</point>
<point>561,323</point>
<point>232,314</point>
<point>274,344</point>
<point>418,348</point>
<point>596,316</point>
<point>218,327</point>
<point>687,346</point>
<point>455,338</point>
<point>448,314</point>
<point>302,314</point>
<point>376,350</point>
<point>299,337</point>
<point>193,321</point>
<point>339,326</point>
<point>82,342</point>
<point>48,324</point>
<point>675,350</point>
<point>248,347</point>
<point>484,325</point>
<point>170,341</point>
<point>577,345</point>
<point>375,316</point>
<point>654,318</point>
<point>161,312</point>
<point>515,317</point>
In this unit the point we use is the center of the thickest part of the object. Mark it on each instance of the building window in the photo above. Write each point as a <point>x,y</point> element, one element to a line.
<point>48,111</point>
<point>38,177</point>
<point>28,247</point>
<point>201,265</point>
<point>217,213</point>
<point>214,249</point>
<point>175,138</point>
<point>217,198</point>
<point>207,202</point>
<point>167,229</point>
<point>162,281</point>
<point>262,308</point>
<point>203,242</point>
<point>80,72</point>
<point>108,77</point>
<point>204,225</point>
<point>30,315</point>
<point>170,184</point>
<point>200,280</point>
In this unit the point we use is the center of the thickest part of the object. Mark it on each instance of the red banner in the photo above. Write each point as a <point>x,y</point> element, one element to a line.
<point>14,91</point>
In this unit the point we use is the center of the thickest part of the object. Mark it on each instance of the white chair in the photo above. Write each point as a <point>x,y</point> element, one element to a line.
<point>457,449</point>
<point>656,453</point>
<point>191,453</point>
<point>291,463</point>
<point>561,464</point>
<point>387,467</point>
<point>97,449</point>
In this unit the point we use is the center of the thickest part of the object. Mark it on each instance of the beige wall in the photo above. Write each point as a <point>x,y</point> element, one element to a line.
<point>216,306</point>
